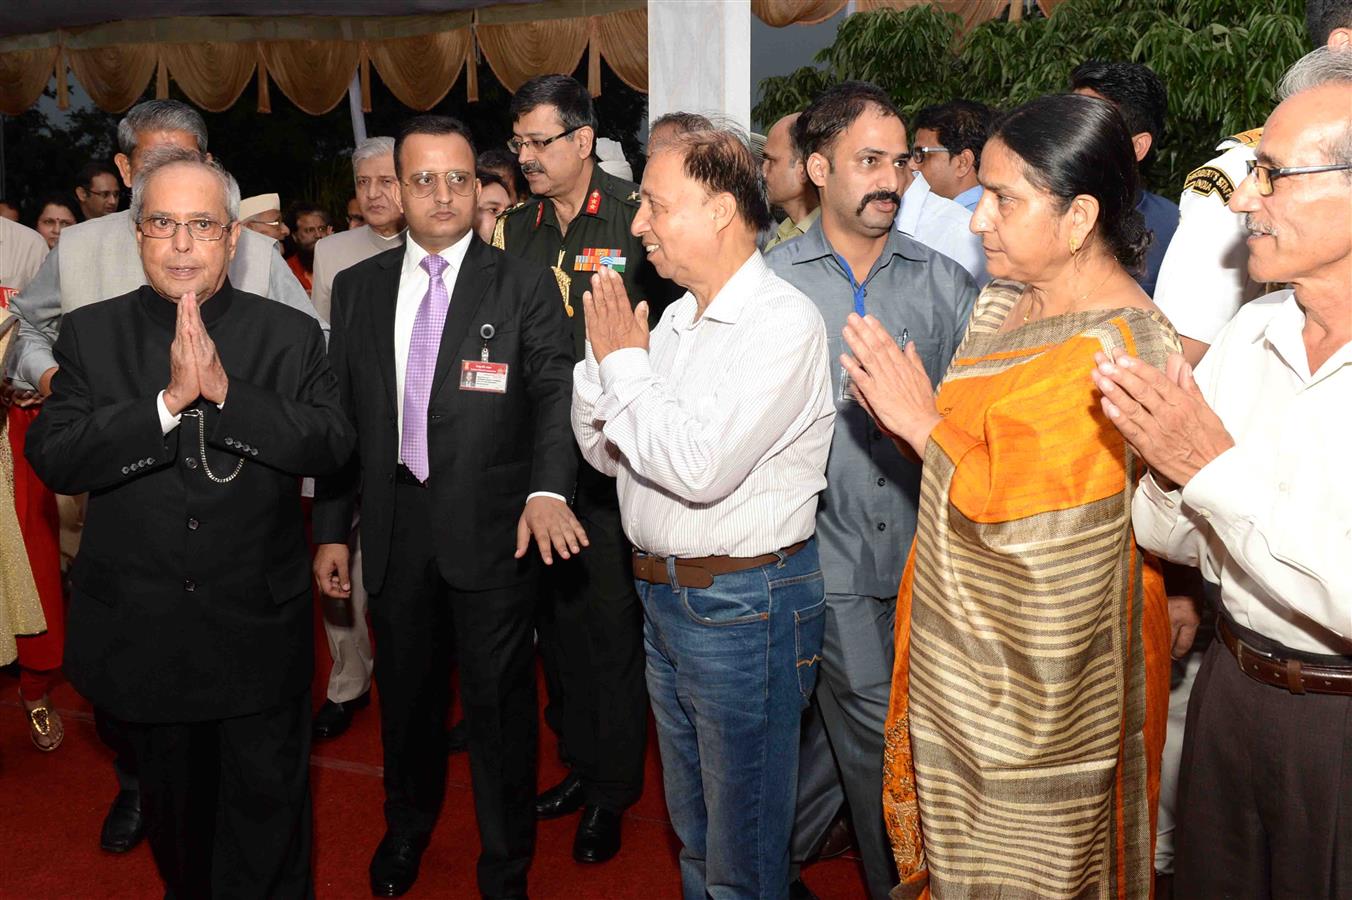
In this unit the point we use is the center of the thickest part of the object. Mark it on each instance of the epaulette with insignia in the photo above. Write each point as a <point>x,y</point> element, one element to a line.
<point>1208,180</point>
<point>634,197</point>
<point>500,229</point>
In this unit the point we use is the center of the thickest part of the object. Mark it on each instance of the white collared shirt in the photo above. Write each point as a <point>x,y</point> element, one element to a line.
<point>1270,519</point>
<point>943,226</point>
<point>719,432</point>
<point>413,283</point>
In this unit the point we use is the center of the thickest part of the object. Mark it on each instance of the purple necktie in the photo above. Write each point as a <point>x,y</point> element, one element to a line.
<point>422,363</point>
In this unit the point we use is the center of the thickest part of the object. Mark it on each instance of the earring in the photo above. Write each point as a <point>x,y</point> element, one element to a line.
<point>1074,245</point>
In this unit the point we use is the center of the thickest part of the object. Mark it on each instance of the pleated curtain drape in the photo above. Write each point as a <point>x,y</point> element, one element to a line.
<point>311,59</point>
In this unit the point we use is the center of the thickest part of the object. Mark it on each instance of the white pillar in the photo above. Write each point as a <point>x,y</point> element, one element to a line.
<point>699,58</point>
<point>354,107</point>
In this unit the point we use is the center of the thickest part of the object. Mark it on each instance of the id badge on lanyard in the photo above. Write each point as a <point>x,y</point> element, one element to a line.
<point>480,374</point>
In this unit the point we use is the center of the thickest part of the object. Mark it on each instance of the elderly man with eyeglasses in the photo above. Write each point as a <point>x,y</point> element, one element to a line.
<point>98,259</point>
<point>577,222</point>
<point>188,408</point>
<point>1249,483</point>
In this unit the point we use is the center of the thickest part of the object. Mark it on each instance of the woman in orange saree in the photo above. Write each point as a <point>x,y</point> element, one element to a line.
<point>1030,689</point>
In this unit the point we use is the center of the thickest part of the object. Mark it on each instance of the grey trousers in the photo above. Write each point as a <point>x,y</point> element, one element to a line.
<point>841,752</point>
<point>348,635</point>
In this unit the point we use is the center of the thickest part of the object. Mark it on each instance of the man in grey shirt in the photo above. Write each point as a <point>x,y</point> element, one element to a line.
<point>853,260</point>
<point>98,259</point>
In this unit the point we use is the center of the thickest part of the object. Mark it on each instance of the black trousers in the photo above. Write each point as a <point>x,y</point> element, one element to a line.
<point>493,639</point>
<point>110,731</point>
<point>227,803</point>
<point>1265,790</point>
<point>591,644</point>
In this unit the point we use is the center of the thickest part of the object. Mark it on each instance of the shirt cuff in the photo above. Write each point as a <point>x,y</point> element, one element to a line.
<point>33,364</point>
<point>629,362</point>
<point>1157,495</point>
<point>534,494</point>
<point>1216,487</point>
<point>168,421</point>
<point>590,368</point>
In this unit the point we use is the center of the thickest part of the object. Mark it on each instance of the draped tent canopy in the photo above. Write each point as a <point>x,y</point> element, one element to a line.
<point>419,55</point>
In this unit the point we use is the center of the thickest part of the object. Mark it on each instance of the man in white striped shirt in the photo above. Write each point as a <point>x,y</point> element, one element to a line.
<point>718,433</point>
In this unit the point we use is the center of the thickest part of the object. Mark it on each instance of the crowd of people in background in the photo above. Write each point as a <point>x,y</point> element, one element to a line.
<point>938,488</point>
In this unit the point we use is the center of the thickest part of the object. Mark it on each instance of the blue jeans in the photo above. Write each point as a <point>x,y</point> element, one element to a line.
<point>730,670</point>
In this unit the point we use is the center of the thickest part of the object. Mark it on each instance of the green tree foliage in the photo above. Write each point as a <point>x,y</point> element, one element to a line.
<point>1220,59</point>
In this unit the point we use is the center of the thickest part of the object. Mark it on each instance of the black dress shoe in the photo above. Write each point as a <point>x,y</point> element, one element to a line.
<point>333,718</point>
<point>598,835</point>
<point>560,800</point>
<point>394,867</point>
<point>800,891</point>
<point>123,827</point>
<point>839,837</point>
<point>457,738</point>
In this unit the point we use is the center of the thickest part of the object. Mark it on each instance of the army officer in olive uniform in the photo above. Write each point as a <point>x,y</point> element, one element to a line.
<point>576,221</point>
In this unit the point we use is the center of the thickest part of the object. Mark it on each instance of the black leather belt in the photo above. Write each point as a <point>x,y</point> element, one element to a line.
<point>404,475</point>
<point>1292,675</point>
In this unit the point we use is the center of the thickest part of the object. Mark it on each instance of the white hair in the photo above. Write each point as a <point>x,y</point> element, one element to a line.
<point>161,157</point>
<point>370,149</point>
<point>1316,69</point>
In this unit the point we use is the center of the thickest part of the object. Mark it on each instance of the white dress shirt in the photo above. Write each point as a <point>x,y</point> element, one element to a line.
<point>413,283</point>
<point>719,432</point>
<point>1270,519</point>
<point>942,225</point>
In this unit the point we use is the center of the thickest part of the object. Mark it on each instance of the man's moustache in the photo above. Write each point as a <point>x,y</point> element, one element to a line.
<point>1252,226</point>
<point>891,196</point>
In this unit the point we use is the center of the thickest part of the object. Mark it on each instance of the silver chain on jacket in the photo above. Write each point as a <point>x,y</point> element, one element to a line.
<point>202,449</point>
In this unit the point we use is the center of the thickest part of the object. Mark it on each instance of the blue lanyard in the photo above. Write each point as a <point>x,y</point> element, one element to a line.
<point>860,291</point>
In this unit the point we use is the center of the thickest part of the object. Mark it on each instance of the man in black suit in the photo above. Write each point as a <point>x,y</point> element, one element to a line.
<point>188,410</point>
<point>455,364</point>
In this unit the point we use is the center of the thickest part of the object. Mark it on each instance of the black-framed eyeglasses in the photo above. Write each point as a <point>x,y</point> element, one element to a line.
<point>1264,176</point>
<point>918,154</point>
<point>516,144</point>
<point>161,227</point>
<point>102,195</point>
<point>422,184</point>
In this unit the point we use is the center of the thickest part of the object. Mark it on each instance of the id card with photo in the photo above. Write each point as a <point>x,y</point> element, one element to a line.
<point>479,375</point>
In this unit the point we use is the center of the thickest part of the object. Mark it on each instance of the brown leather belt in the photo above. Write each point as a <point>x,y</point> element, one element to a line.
<point>700,571</point>
<point>1289,674</point>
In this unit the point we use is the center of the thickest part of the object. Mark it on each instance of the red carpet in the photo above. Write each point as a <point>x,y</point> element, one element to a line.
<point>52,804</point>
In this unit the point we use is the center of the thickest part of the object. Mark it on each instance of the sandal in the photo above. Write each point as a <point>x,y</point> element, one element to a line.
<point>44,725</point>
